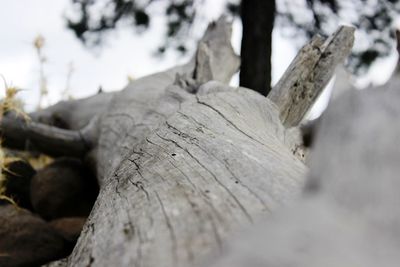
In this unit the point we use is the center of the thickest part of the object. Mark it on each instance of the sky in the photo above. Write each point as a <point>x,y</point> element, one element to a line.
<point>125,54</point>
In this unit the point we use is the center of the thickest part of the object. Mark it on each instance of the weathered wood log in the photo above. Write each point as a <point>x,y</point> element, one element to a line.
<point>185,170</point>
<point>192,181</point>
<point>309,73</point>
<point>348,215</point>
<point>182,164</point>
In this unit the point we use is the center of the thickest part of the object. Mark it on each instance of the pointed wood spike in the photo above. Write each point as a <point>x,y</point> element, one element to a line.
<point>309,73</point>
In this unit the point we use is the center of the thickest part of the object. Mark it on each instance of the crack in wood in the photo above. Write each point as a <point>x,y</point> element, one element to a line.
<point>170,228</point>
<point>236,200</point>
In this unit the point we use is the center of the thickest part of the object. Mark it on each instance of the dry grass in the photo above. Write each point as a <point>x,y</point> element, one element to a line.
<point>9,104</point>
<point>40,161</point>
<point>39,43</point>
<point>9,200</point>
<point>66,94</point>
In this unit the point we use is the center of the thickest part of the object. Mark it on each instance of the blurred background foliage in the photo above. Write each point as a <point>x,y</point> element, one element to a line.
<point>300,19</point>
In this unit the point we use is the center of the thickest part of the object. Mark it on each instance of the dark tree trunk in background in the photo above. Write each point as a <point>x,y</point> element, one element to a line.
<point>258,22</point>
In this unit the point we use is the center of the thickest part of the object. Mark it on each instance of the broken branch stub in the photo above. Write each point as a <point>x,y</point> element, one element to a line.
<point>214,59</point>
<point>309,73</point>
<point>30,135</point>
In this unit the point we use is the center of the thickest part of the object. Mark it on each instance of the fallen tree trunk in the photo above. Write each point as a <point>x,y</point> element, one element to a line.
<point>347,215</point>
<point>181,162</point>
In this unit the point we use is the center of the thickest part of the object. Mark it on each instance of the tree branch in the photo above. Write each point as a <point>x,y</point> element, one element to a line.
<point>309,73</point>
<point>28,135</point>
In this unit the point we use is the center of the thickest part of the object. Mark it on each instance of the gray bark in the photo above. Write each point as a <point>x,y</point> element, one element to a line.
<point>30,135</point>
<point>181,164</point>
<point>309,73</point>
<point>186,169</point>
<point>348,213</point>
<point>73,114</point>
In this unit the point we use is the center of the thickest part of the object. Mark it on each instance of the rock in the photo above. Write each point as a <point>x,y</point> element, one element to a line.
<point>70,228</point>
<point>27,240</point>
<point>18,182</point>
<point>65,188</point>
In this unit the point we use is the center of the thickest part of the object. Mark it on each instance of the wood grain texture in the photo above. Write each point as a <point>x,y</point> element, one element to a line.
<point>215,165</point>
<point>348,215</point>
<point>182,165</point>
<point>180,171</point>
<point>309,73</point>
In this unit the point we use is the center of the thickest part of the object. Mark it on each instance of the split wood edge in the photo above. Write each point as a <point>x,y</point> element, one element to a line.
<point>309,73</point>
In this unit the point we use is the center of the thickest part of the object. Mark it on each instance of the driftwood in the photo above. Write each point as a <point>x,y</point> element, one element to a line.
<point>30,135</point>
<point>182,162</point>
<point>347,215</point>
<point>309,73</point>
